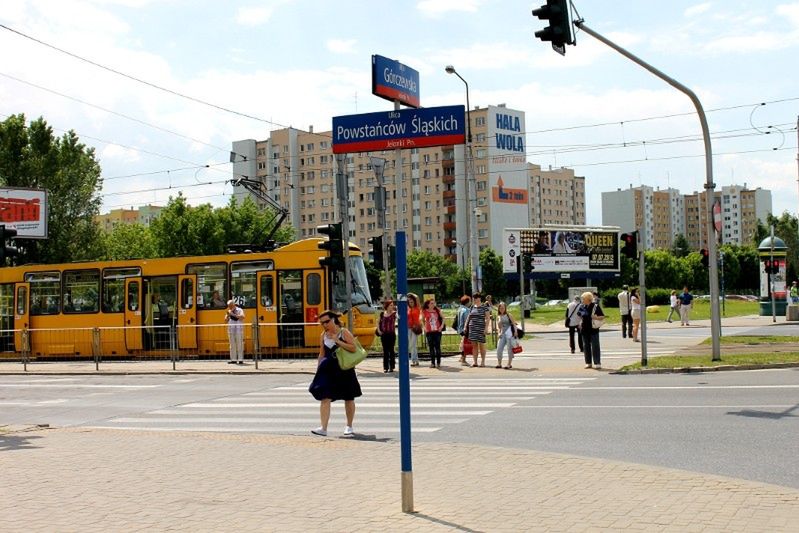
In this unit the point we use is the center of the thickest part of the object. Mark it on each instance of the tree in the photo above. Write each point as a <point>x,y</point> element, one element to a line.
<point>129,241</point>
<point>680,247</point>
<point>426,264</point>
<point>245,223</point>
<point>31,156</point>
<point>493,276</point>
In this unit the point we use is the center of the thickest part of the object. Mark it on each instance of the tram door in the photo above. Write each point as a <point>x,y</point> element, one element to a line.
<point>133,314</point>
<point>21,316</point>
<point>314,301</point>
<point>267,311</point>
<point>290,308</point>
<point>187,311</point>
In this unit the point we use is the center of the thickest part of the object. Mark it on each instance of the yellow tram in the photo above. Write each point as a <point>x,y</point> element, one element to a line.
<point>147,307</point>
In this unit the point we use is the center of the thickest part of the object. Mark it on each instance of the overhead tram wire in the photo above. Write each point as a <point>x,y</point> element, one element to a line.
<point>111,111</point>
<point>144,82</point>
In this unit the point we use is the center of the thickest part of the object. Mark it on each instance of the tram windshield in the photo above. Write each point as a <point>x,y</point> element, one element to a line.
<point>360,286</point>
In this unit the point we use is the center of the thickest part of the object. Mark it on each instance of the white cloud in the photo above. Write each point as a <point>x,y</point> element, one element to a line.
<point>254,16</point>
<point>341,46</point>
<point>436,8</point>
<point>790,12</point>
<point>119,154</point>
<point>697,9</point>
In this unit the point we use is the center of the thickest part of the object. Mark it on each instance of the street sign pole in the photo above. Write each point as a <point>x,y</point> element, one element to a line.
<point>404,376</point>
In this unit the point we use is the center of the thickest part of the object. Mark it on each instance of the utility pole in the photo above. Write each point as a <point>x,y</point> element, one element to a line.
<point>715,314</point>
<point>342,192</point>
<point>379,165</point>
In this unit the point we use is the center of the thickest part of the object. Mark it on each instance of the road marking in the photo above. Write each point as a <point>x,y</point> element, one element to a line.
<point>43,380</point>
<point>312,408</point>
<point>689,387</point>
<point>204,405</point>
<point>50,402</point>
<point>72,386</point>
<point>455,388</point>
<point>255,420</point>
<point>359,430</point>
<point>592,406</point>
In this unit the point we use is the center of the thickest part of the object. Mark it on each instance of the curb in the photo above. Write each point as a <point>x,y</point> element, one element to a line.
<point>699,369</point>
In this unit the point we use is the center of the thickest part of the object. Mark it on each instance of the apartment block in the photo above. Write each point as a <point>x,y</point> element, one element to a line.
<point>661,215</point>
<point>143,215</point>
<point>426,187</point>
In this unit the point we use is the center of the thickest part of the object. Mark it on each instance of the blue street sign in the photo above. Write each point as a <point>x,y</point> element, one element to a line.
<point>394,81</point>
<point>404,128</point>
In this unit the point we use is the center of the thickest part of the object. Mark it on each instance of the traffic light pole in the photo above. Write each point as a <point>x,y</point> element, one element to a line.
<point>715,315</point>
<point>642,301</point>
<point>342,191</point>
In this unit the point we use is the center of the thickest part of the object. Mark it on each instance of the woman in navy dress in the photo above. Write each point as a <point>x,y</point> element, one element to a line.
<point>331,383</point>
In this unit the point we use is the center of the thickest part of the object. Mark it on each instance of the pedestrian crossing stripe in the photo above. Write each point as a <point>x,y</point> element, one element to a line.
<point>436,403</point>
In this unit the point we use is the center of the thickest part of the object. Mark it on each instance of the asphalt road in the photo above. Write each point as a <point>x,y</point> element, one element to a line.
<point>739,424</point>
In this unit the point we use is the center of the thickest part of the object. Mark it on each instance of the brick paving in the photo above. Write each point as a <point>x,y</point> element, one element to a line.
<point>106,480</point>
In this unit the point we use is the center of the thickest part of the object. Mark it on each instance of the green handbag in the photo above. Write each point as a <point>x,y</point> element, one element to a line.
<point>347,359</point>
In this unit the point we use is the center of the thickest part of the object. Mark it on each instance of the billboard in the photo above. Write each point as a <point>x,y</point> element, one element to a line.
<point>567,249</point>
<point>25,210</point>
<point>394,81</point>
<point>508,179</point>
<point>403,128</point>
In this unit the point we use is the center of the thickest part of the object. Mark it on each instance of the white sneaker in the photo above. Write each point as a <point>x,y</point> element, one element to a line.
<point>319,431</point>
<point>348,432</point>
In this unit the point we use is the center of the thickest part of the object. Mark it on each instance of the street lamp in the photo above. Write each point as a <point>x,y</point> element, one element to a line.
<point>471,191</point>
<point>462,257</point>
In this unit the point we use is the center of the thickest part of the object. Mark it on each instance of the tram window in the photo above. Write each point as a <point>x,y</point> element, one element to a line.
<point>267,292</point>
<point>22,300</point>
<point>133,296</point>
<point>243,281</point>
<point>186,292</point>
<point>6,308</point>
<point>314,289</point>
<point>81,291</point>
<point>114,287</point>
<point>45,292</point>
<point>211,285</point>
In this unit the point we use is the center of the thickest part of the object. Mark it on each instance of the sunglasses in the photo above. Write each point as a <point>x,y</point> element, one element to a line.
<point>323,322</point>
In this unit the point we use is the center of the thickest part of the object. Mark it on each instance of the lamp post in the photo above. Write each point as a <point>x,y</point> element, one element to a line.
<point>462,257</point>
<point>471,191</point>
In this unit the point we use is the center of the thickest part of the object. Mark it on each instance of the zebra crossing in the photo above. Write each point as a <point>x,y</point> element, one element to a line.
<point>435,404</point>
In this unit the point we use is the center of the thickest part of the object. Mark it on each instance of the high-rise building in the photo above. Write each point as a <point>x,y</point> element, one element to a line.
<point>298,171</point>
<point>660,216</point>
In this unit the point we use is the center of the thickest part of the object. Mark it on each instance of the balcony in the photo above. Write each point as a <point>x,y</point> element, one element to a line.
<point>448,195</point>
<point>449,226</point>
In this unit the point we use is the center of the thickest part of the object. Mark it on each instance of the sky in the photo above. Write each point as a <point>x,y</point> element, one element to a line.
<point>160,88</point>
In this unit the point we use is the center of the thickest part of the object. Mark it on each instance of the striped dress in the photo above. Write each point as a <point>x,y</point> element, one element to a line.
<point>477,323</point>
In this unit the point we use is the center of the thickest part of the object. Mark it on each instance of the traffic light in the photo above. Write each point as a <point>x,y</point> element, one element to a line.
<point>559,31</point>
<point>630,248</point>
<point>705,257</point>
<point>334,244</point>
<point>377,251</point>
<point>7,251</point>
<point>527,263</point>
<point>771,266</point>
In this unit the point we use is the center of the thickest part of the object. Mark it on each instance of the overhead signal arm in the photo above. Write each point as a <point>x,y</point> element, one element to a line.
<point>257,189</point>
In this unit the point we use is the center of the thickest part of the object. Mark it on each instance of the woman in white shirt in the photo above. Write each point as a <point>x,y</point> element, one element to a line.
<point>674,302</point>
<point>635,307</point>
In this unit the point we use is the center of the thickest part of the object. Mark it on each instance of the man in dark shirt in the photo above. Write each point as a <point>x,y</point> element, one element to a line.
<point>685,306</point>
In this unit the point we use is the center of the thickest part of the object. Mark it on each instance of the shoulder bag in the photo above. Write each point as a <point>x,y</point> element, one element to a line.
<point>347,360</point>
<point>597,321</point>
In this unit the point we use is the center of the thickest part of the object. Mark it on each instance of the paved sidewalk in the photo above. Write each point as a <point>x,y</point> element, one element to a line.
<point>550,340</point>
<point>102,480</point>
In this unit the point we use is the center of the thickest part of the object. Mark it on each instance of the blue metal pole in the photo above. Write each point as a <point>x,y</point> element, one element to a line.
<point>404,376</point>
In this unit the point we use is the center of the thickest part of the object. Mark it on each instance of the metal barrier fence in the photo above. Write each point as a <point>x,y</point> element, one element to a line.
<point>262,341</point>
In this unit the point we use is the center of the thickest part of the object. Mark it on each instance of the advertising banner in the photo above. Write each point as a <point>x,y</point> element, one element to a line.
<point>405,128</point>
<point>24,210</point>
<point>562,249</point>
<point>507,171</point>
<point>394,81</point>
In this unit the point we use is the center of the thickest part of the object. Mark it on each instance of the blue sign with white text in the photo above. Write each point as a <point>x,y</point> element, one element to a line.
<point>394,81</point>
<point>404,128</point>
